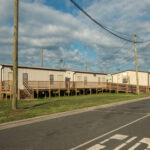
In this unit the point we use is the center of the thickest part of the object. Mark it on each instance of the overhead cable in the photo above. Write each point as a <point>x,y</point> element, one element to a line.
<point>104,27</point>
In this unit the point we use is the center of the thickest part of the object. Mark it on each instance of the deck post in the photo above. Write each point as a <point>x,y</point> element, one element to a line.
<point>117,88</point>
<point>90,91</point>
<point>84,91</point>
<point>126,88</point>
<point>109,87</point>
<point>18,94</point>
<point>96,88</point>
<point>75,88</point>
<point>33,93</point>
<point>0,90</point>
<point>59,88</point>
<point>49,89</point>
<point>68,87</point>
<point>146,89</point>
<point>6,96</point>
<point>64,92</point>
<point>37,89</point>
<point>76,91</point>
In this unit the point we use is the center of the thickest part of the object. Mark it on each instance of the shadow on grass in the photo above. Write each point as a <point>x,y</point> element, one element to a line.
<point>35,105</point>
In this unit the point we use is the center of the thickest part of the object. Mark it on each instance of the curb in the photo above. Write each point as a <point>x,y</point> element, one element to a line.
<point>62,114</point>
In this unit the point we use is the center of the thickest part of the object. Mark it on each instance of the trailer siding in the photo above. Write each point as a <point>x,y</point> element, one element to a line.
<point>131,76</point>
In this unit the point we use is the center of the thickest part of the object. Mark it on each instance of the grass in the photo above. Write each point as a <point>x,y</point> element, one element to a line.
<point>29,109</point>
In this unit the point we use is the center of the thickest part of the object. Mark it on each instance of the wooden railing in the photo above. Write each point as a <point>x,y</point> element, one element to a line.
<point>55,85</point>
<point>61,85</point>
<point>31,86</point>
<point>5,88</point>
<point>6,85</point>
<point>64,85</point>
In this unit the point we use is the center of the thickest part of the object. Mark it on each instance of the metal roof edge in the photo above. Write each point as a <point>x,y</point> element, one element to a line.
<point>46,68</point>
<point>130,70</point>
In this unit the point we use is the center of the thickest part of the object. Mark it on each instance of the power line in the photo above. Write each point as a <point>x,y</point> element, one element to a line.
<point>143,49</point>
<point>119,50</point>
<point>128,60</point>
<point>104,27</point>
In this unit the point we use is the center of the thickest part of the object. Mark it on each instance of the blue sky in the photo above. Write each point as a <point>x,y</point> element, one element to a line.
<point>65,33</point>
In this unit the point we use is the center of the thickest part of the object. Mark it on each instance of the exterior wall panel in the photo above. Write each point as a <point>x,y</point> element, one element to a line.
<point>0,72</point>
<point>5,73</point>
<point>39,75</point>
<point>90,77</point>
<point>131,75</point>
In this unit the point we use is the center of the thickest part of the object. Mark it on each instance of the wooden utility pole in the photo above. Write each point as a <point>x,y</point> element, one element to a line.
<point>42,57</point>
<point>136,64</point>
<point>86,66</point>
<point>15,55</point>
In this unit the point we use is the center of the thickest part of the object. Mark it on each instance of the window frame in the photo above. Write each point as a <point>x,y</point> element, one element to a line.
<point>51,78</point>
<point>25,78</point>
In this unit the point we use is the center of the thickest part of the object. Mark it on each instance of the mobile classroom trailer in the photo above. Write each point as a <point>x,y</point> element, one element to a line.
<point>129,77</point>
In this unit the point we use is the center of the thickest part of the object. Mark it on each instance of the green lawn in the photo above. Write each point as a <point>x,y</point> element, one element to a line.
<point>28,109</point>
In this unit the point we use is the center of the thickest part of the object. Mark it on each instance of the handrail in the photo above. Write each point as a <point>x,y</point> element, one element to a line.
<point>73,85</point>
<point>6,85</point>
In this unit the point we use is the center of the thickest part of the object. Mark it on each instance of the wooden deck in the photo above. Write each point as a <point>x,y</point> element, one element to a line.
<point>5,89</point>
<point>34,89</point>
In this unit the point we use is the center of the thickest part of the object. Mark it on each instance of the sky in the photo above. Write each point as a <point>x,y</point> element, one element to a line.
<point>65,33</point>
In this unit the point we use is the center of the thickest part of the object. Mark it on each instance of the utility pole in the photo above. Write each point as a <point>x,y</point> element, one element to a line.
<point>86,66</point>
<point>15,55</point>
<point>136,64</point>
<point>107,69</point>
<point>61,64</point>
<point>42,57</point>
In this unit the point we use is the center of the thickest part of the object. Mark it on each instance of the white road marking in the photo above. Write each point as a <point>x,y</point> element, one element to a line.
<point>104,141</point>
<point>122,137</point>
<point>134,146</point>
<point>119,137</point>
<point>81,145</point>
<point>96,147</point>
<point>124,144</point>
<point>99,146</point>
<point>145,141</point>
<point>116,136</point>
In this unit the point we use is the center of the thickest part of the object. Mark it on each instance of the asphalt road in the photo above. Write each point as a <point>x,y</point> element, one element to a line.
<point>124,127</point>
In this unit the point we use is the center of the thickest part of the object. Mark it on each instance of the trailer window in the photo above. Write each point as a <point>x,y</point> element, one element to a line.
<point>79,78</point>
<point>51,79</point>
<point>125,80</point>
<point>25,77</point>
